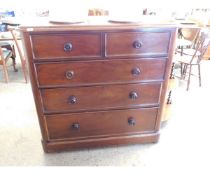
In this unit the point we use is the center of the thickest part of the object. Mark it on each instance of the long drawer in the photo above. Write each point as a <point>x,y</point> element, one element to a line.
<point>97,72</point>
<point>137,44</point>
<point>89,124</point>
<point>100,97</point>
<point>49,46</point>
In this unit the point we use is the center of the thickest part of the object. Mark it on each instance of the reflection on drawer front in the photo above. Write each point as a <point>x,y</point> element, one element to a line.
<point>101,123</point>
<point>66,45</point>
<point>137,44</point>
<point>100,97</point>
<point>92,72</point>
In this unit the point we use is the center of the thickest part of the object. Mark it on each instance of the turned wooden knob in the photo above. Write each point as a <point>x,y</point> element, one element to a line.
<point>75,126</point>
<point>69,74</point>
<point>136,71</point>
<point>137,44</point>
<point>72,99</point>
<point>68,47</point>
<point>133,95</point>
<point>131,121</point>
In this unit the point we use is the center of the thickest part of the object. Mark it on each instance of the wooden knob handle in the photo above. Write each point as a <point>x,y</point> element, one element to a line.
<point>133,95</point>
<point>137,44</point>
<point>136,71</point>
<point>68,47</point>
<point>72,99</point>
<point>69,74</point>
<point>131,121</point>
<point>75,126</point>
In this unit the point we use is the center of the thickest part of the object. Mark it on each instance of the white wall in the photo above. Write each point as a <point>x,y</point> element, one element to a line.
<point>120,7</point>
<point>106,3</point>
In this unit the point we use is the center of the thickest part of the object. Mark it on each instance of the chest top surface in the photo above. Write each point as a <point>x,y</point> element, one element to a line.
<point>93,23</point>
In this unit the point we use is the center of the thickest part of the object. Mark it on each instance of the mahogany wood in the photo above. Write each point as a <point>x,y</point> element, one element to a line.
<point>57,146</point>
<point>98,123</point>
<point>98,85</point>
<point>137,44</point>
<point>53,45</point>
<point>100,97</point>
<point>96,72</point>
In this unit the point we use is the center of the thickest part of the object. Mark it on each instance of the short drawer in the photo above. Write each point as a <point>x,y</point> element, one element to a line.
<point>100,97</point>
<point>51,46</point>
<point>98,72</point>
<point>137,44</point>
<point>89,124</point>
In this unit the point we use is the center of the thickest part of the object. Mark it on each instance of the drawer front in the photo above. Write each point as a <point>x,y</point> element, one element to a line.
<point>66,45</point>
<point>137,44</point>
<point>97,72</point>
<point>101,123</point>
<point>100,97</point>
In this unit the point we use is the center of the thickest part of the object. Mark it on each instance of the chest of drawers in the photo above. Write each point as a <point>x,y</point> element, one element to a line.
<point>98,85</point>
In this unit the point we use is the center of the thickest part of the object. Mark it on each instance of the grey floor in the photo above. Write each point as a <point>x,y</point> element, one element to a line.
<point>184,141</point>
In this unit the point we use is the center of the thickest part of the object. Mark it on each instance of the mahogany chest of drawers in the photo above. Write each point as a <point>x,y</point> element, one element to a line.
<point>97,85</point>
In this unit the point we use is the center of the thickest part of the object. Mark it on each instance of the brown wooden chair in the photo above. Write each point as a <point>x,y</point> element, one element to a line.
<point>5,54</point>
<point>22,58</point>
<point>192,57</point>
<point>187,38</point>
<point>10,46</point>
<point>12,29</point>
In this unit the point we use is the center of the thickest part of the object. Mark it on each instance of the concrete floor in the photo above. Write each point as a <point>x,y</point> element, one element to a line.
<point>184,142</point>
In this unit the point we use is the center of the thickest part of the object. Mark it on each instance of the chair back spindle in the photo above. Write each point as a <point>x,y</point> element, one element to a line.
<point>201,46</point>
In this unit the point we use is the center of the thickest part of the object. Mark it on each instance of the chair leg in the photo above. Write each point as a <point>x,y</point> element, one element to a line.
<point>12,48</point>
<point>13,51</point>
<point>181,71</point>
<point>182,49</point>
<point>14,64</point>
<point>172,76</point>
<point>185,70</point>
<point>24,69</point>
<point>22,59</point>
<point>5,73</point>
<point>169,100</point>
<point>199,74</point>
<point>188,81</point>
